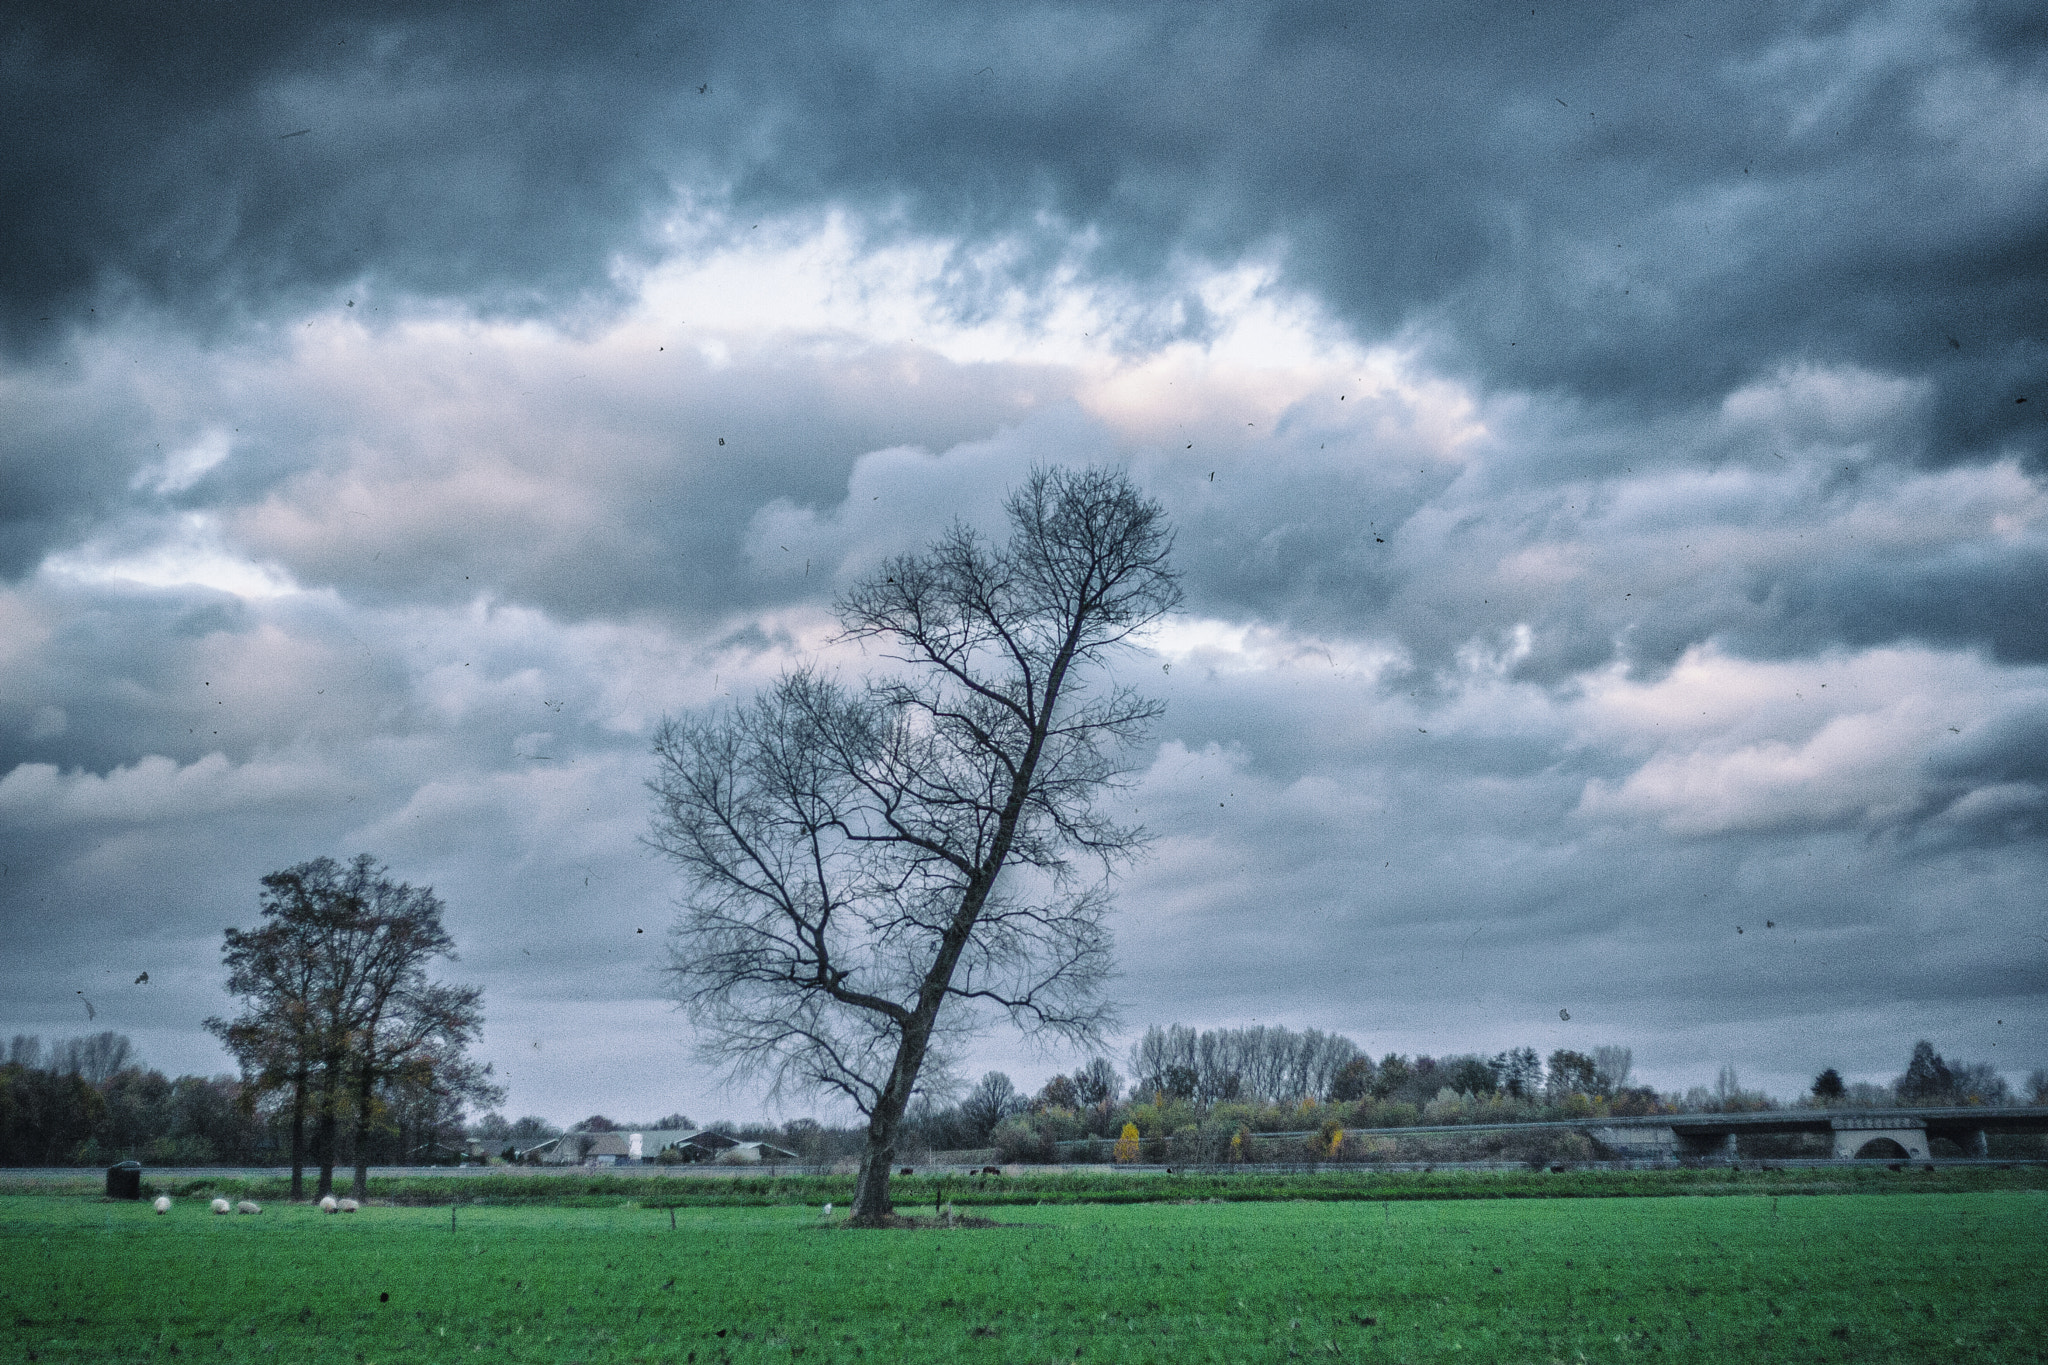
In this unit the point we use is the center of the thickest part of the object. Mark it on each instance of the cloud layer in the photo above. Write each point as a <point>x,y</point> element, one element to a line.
<point>1608,512</point>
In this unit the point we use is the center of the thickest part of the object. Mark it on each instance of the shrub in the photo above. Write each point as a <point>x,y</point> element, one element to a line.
<point>1398,1114</point>
<point>1017,1138</point>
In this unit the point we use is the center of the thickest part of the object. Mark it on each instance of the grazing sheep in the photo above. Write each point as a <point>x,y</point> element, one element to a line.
<point>162,1204</point>
<point>222,1206</point>
<point>248,1206</point>
<point>348,1206</point>
<point>327,1204</point>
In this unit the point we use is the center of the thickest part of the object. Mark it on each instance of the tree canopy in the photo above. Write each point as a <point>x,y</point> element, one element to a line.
<point>338,1010</point>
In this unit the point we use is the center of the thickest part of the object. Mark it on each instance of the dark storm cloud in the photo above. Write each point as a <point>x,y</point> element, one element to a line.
<point>1630,204</point>
<point>223,159</point>
<point>1785,521</point>
<point>1739,300</point>
<point>1639,211</point>
<point>625,483</point>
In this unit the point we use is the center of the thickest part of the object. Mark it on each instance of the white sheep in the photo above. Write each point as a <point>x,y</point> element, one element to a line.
<point>162,1204</point>
<point>348,1206</point>
<point>826,1216</point>
<point>327,1204</point>
<point>222,1206</point>
<point>248,1206</point>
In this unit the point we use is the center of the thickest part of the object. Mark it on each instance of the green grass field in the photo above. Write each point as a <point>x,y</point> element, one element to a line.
<point>1051,1186</point>
<point>1938,1277</point>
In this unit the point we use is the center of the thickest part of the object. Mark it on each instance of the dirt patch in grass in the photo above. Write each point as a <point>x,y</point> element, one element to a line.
<point>911,1222</point>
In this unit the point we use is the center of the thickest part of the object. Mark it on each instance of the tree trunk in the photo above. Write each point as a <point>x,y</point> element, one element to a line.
<point>324,1131</point>
<point>871,1205</point>
<point>362,1152</point>
<point>298,1136</point>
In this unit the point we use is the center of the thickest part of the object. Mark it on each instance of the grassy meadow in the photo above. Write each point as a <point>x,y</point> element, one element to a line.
<point>1949,1277</point>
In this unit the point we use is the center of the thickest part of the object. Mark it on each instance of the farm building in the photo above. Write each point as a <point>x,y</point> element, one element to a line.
<point>628,1147</point>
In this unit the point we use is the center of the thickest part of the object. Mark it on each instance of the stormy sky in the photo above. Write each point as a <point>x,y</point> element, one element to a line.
<point>1605,444</point>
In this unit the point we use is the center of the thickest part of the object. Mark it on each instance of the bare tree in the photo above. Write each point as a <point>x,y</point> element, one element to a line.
<point>1269,1062</point>
<point>1098,1083</point>
<point>1611,1066</point>
<point>993,1099</point>
<point>94,1059</point>
<point>871,871</point>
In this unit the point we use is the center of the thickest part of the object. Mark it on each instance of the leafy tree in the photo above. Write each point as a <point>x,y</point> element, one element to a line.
<point>416,1043</point>
<point>1828,1087</point>
<point>870,868</point>
<point>2037,1086</point>
<point>1571,1073</point>
<point>336,1003</point>
<point>1928,1079</point>
<point>45,1116</point>
<point>1354,1081</point>
<point>278,971</point>
<point>1518,1072</point>
<point>1634,1101</point>
<point>1468,1075</point>
<point>1179,1082</point>
<point>1058,1093</point>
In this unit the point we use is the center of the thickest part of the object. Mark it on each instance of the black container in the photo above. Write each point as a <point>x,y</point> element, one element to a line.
<point>124,1180</point>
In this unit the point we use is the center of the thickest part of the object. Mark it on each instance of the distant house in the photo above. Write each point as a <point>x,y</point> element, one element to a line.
<point>630,1147</point>
<point>538,1151</point>
<point>705,1145</point>
<point>609,1149</point>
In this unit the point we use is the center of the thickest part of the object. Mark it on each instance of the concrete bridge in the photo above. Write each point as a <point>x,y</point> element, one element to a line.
<point>1880,1134</point>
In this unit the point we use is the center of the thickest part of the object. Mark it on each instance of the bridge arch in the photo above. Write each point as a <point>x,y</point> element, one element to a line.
<point>1882,1149</point>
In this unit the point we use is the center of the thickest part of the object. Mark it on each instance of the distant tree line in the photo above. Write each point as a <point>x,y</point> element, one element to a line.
<point>87,1101</point>
<point>91,1101</point>
<point>1210,1095</point>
